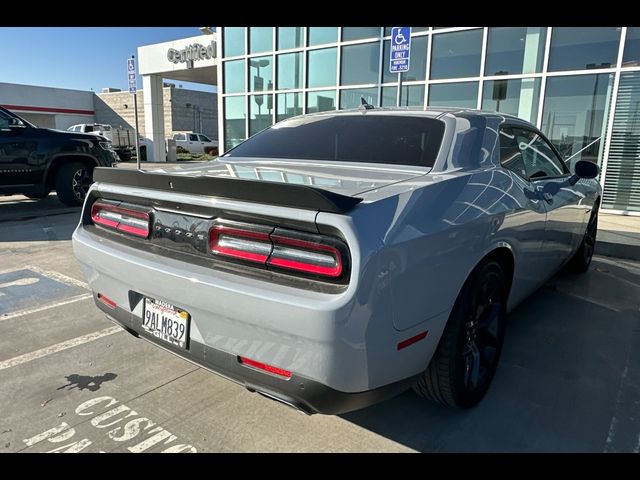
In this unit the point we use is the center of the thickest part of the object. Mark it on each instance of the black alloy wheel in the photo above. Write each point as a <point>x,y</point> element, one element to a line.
<point>466,359</point>
<point>80,183</point>
<point>482,333</point>
<point>73,182</point>
<point>583,256</point>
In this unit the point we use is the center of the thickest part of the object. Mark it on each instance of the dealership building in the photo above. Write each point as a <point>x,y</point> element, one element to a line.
<point>579,85</point>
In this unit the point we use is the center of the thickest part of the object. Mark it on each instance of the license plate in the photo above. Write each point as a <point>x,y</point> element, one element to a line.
<point>166,322</point>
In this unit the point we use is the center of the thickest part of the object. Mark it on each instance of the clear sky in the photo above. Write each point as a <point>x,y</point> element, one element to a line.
<point>80,58</point>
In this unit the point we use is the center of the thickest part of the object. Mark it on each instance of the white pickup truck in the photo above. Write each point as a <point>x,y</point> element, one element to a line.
<point>122,139</point>
<point>196,143</point>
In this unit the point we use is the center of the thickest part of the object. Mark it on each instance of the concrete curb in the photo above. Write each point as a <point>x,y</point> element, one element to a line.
<point>618,250</point>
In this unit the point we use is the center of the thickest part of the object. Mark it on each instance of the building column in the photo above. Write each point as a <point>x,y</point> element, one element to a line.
<point>528,100</point>
<point>154,118</point>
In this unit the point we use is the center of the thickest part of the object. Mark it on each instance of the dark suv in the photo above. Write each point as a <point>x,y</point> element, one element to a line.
<point>34,161</point>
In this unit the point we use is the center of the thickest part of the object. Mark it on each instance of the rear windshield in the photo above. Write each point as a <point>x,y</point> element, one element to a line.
<point>390,139</point>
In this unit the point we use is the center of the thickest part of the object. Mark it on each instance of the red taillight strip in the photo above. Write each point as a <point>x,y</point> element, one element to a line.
<point>276,261</point>
<point>306,267</point>
<point>258,244</point>
<point>267,368</point>
<point>412,340</point>
<point>134,230</point>
<point>107,301</point>
<point>219,230</point>
<point>97,207</point>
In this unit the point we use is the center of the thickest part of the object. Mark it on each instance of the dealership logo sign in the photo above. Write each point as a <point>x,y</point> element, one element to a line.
<point>191,53</point>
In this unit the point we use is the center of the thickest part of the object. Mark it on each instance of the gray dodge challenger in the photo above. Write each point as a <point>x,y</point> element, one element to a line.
<point>339,258</point>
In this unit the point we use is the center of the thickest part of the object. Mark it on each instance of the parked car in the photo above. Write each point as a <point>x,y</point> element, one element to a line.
<point>336,259</point>
<point>195,143</point>
<point>122,139</point>
<point>34,161</point>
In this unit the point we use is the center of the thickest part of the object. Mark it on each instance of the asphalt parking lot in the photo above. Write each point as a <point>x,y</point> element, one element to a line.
<point>568,380</point>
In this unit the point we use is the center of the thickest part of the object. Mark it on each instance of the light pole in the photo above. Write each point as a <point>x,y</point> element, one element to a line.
<point>258,82</point>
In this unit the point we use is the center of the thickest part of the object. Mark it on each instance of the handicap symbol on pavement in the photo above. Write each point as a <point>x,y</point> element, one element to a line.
<point>18,283</point>
<point>24,288</point>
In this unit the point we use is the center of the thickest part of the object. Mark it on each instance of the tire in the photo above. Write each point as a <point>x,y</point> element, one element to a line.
<point>73,182</point>
<point>124,155</point>
<point>467,356</point>
<point>581,260</point>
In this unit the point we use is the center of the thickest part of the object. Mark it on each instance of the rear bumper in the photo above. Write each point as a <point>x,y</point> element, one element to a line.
<point>299,392</point>
<point>336,344</point>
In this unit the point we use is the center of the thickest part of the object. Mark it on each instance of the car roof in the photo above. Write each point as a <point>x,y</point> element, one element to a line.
<point>431,112</point>
<point>497,118</point>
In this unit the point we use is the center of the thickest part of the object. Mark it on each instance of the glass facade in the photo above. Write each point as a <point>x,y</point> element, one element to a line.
<point>289,105</point>
<point>460,94</point>
<point>322,101</point>
<point>290,70</point>
<point>574,112</point>
<point>290,37</point>
<point>233,41</point>
<point>322,35</point>
<point>352,97</point>
<point>360,64</point>
<point>412,96</point>
<point>519,97</point>
<point>235,114</point>
<point>579,48</point>
<point>456,54</point>
<point>260,39</point>
<point>579,85</point>
<point>322,67</point>
<point>514,50</point>
<point>260,74</point>
<point>358,33</point>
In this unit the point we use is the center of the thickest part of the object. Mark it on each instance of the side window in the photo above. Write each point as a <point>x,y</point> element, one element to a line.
<point>203,138</point>
<point>193,137</point>
<point>540,160</point>
<point>4,121</point>
<point>510,155</point>
<point>88,128</point>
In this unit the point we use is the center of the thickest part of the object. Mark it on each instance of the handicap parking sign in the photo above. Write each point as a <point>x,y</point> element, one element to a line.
<point>400,49</point>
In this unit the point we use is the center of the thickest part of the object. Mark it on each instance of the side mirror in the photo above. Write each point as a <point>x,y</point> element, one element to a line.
<point>586,169</point>
<point>16,123</point>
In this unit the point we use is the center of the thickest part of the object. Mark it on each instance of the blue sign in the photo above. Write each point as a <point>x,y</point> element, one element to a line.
<point>400,49</point>
<point>131,73</point>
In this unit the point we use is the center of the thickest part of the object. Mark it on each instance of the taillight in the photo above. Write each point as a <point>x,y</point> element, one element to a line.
<point>239,243</point>
<point>280,249</point>
<point>305,256</point>
<point>265,367</point>
<point>107,301</point>
<point>121,219</point>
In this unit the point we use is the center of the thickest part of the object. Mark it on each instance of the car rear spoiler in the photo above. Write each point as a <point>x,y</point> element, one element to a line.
<point>273,193</point>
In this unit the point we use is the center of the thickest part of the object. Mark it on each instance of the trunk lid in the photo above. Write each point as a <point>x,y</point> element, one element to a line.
<point>343,178</point>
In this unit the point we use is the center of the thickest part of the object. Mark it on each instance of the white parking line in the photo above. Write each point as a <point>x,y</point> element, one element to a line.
<point>40,308</point>
<point>48,273</point>
<point>58,347</point>
<point>58,276</point>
